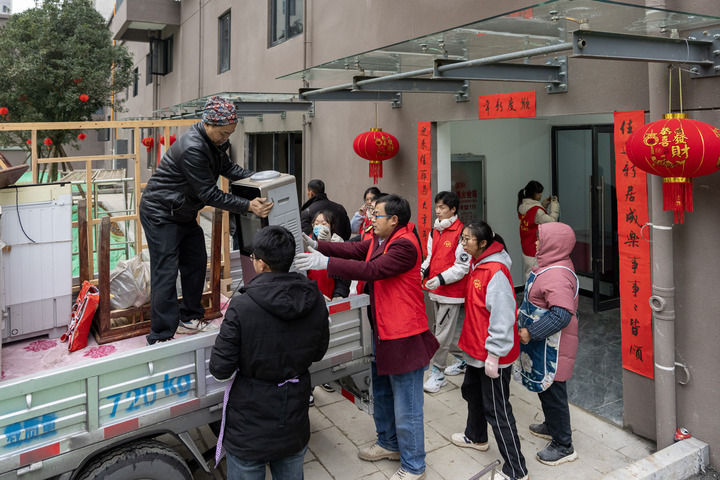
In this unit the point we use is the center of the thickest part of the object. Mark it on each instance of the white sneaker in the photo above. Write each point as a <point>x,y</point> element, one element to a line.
<point>376,452</point>
<point>195,326</point>
<point>435,381</point>
<point>403,474</point>
<point>461,440</point>
<point>500,475</point>
<point>456,368</point>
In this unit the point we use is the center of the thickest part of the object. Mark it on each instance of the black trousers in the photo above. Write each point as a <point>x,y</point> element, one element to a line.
<point>174,247</point>
<point>489,403</point>
<point>555,407</point>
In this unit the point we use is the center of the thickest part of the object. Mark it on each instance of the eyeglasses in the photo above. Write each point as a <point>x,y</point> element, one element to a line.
<point>464,239</point>
<point>253,257</point>
<point>375,215</point>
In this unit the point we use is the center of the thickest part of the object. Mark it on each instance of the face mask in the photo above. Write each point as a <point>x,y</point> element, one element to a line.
<point>321,231</point>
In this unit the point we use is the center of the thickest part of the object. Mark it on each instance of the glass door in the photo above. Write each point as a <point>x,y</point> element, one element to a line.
<point>584,181</point>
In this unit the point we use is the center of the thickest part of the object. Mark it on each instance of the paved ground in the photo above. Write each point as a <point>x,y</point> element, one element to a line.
<point>339,429</point>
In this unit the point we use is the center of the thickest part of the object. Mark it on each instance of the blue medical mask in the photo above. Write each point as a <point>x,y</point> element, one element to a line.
<point>317,229</point>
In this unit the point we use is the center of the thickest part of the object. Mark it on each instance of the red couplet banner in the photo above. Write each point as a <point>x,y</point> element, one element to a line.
<point>424,154</point>
<point>507,105</point>
<point>633,250</point>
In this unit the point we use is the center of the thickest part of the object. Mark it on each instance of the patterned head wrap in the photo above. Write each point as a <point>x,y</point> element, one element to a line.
<point>219,111</point>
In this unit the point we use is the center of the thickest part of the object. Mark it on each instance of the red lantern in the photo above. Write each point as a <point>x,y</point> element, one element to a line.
<point>47,141</point>
<point>77,81</point>
<point>28,141</point>
<point>84,98</point>
<point>376,146</point>
<point>172,139</point>
<point>4,111</point>
<point>82,136</point>
<point>677,149</point>
<point>148,142</point>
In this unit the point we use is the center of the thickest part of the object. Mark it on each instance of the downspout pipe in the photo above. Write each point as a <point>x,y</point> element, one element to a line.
<point>662,300</point>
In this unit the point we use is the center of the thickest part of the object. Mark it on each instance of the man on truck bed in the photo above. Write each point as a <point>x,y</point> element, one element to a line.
<point>184,183</point>
<point>268,339</point>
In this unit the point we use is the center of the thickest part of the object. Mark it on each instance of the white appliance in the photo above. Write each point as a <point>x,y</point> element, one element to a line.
<point>36,260</point>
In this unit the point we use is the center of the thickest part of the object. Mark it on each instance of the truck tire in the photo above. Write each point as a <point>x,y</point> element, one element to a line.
<point>146,459</point>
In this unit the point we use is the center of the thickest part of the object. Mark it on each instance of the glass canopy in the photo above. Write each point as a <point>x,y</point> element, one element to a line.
<point>543,24</point>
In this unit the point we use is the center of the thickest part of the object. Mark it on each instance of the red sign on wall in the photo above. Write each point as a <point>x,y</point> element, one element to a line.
<point>507,105</point>
<point>424,154</point>
<point>634,251</point>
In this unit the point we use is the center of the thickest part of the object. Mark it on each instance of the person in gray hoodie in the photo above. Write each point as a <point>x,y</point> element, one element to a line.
<point>490,340</point>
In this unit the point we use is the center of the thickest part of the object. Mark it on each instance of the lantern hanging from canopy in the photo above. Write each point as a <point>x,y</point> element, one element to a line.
<point>677,149</point>
<point>48,141</point>
<point>148,142</point>
<point>376,146</point>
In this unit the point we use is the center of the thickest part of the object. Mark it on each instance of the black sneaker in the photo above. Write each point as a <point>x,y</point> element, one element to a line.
<point>327,387</point>
<point>554,454</point>
<point>540,430</point>
<point>149,342</point>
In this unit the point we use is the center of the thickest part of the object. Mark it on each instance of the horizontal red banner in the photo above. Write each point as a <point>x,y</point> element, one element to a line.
<point>507,105</point>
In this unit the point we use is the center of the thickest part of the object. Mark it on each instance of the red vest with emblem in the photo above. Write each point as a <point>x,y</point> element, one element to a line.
<point>477,316</point>
<point>528,231</point>
<point>444,245</point>
<point>399,302</point>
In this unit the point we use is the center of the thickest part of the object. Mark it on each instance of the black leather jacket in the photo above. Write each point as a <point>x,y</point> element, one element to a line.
<point>186,180</point>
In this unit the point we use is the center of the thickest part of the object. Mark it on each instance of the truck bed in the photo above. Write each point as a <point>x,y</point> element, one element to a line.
<point>56,408</point>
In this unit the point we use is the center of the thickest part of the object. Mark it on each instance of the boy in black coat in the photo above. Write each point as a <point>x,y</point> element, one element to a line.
<point>268,339</point>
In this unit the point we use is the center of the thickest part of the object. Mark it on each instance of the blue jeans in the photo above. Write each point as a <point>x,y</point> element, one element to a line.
<point>398,416</point>
<point>288,468</point>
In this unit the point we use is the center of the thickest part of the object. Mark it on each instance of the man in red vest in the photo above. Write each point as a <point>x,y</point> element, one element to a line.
<point>390,262</point>
<point>446,267</point>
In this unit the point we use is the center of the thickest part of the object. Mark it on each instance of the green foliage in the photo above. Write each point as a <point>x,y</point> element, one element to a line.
<point>49,56</point>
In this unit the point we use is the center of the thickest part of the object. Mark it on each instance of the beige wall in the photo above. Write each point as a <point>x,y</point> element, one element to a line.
<point>595,87</point>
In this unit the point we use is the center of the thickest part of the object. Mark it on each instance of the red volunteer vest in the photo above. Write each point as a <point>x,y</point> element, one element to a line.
<point>324,282</point>
<point>366,233</point>
<point>444,245</point>
<point>528,231</point>
<point>477,317</point>
<point>399,303</point>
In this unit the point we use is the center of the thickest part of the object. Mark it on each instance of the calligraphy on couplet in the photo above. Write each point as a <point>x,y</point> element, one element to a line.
<point>633,250</point>
<point>425,204</point>
<point>507,105</point>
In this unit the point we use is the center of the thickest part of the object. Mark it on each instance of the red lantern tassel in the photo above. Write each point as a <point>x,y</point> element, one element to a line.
<point>375,170</point>
<point>677,196</point>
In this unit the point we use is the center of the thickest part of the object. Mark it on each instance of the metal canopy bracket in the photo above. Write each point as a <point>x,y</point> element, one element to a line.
<point>259,108</point>
<point>701,50</point>
<point>410,85</point>
<point>349,95</point>
<point>554,73</point>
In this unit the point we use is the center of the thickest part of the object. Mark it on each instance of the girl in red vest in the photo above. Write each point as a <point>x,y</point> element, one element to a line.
<point>533,212</point>
<point>490,339</point>
<point>330,287</point>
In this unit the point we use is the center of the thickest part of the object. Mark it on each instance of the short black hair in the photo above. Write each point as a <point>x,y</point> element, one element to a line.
<point>448,198</point>
<point>395,205</point>
<point>316,186</point>
<point>275,245</point>
<point>482,231</point>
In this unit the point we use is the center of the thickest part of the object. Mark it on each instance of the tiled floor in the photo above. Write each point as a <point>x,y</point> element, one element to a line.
<point>339,430</point>
<point>597,379</point>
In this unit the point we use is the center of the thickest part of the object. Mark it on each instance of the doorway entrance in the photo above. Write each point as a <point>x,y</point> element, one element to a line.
<point>584,180</point>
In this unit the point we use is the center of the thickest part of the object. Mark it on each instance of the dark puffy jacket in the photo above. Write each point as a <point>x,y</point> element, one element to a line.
<point>186,180</point>
<point>319,203</point>
<point>271,333</point>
